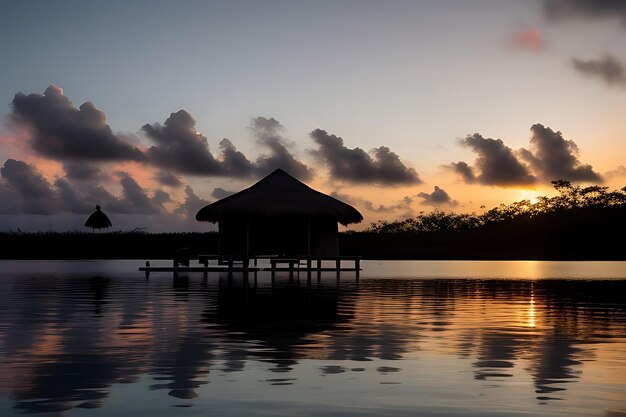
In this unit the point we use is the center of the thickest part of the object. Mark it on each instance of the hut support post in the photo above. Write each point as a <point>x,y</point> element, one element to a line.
<point>247,252</point>
<point>308,236</point>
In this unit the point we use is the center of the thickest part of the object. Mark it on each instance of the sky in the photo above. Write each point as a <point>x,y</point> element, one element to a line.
<point>153,109</point>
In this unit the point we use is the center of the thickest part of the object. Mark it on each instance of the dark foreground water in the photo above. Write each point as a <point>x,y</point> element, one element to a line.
<point>407,338</point>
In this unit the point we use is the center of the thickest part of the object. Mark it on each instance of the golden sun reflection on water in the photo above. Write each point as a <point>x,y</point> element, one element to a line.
<point>518,345</point>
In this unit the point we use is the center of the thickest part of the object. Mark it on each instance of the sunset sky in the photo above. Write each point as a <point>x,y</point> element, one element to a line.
<point>153,109</point>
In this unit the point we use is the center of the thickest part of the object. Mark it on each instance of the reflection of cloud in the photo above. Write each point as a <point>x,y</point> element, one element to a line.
<point>554,365</point>
<point>608,68</point>
<point>147,332</point>
<point>382,166</point>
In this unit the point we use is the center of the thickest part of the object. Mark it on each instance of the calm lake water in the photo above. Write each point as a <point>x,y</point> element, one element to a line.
<point>412,338</point>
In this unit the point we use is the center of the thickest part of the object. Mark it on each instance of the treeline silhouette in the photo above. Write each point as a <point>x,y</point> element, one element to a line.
<point>569,198</point>
<point>577,223</point>
<point>134,244</point>
<point>583,223</point>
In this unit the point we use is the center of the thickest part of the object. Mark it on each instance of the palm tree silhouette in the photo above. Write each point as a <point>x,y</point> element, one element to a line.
<point>98,220</point>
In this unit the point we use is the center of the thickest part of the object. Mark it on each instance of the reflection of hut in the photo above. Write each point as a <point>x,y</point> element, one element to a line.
<point>98,220</point>
<point>279,215</point>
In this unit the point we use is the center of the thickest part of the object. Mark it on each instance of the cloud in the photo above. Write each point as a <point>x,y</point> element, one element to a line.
<point>187,210</point>
<point>83,171</point>
<point>464,170</point>
<point>555,158</point>
<point>551,157</point>
<point>29,201</point>
<point>30,193</point>
<point>588,9</point>
<point>437,198</point>
<point>359,202</point>
<point>135,198</point>
<point>607,68</point>
<point>84,201</point>
<point>235,163</point>
<point>168,179</point>
<point>496,164</point>
<point>61,131</point>
<point>380,166</point>
<point>530,39</point>
<point>620,171</point>
<point>220,193</point>
<point>27,190</point>
<point>179,147</point>
<point>268,133</point>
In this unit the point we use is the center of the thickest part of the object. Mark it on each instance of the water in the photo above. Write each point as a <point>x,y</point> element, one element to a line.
<point>408,338</point>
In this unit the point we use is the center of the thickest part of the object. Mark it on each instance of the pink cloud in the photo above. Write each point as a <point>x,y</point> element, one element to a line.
<point>530,39</point>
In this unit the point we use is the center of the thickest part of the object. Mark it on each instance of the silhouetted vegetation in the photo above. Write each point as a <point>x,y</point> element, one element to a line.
<point>578,223</point>
<point>569,198</point>
<point>133,244</point>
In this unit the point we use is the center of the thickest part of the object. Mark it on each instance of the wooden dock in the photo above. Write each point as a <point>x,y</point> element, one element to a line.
<point>232,264</point>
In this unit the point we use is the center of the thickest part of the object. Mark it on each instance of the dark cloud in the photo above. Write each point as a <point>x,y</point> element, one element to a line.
<point>135,199</point>
<point>590,9</point>
<point>168,179</point>
<point>437,198</point>
<point>355,165</point>
<point>30,193</point>
<point>496,164</point>
<point>28,190</point>
<point>83,171</point>
<point>555,158</point>
<point>187,210</point>
<point>80,197</point>
<point>235,163</point>
<point>464,170</point>
<point>25,195</point>
<point>607,68</point>
<point>61,131</point>
<point>268,133</point>
<point>181,148</point>
<point>83,202</point>
<point>8,202</point>
<point>220,193</point>
<point>359,202</point>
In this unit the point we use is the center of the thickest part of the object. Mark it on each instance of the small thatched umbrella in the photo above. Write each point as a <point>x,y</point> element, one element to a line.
<point>98,220</point>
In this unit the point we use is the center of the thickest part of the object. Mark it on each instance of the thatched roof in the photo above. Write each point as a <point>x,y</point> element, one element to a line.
<point>98,220</point>
<point>279,194</point>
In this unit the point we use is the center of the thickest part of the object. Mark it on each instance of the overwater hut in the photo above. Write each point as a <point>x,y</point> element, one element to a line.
<point>279,215</point>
